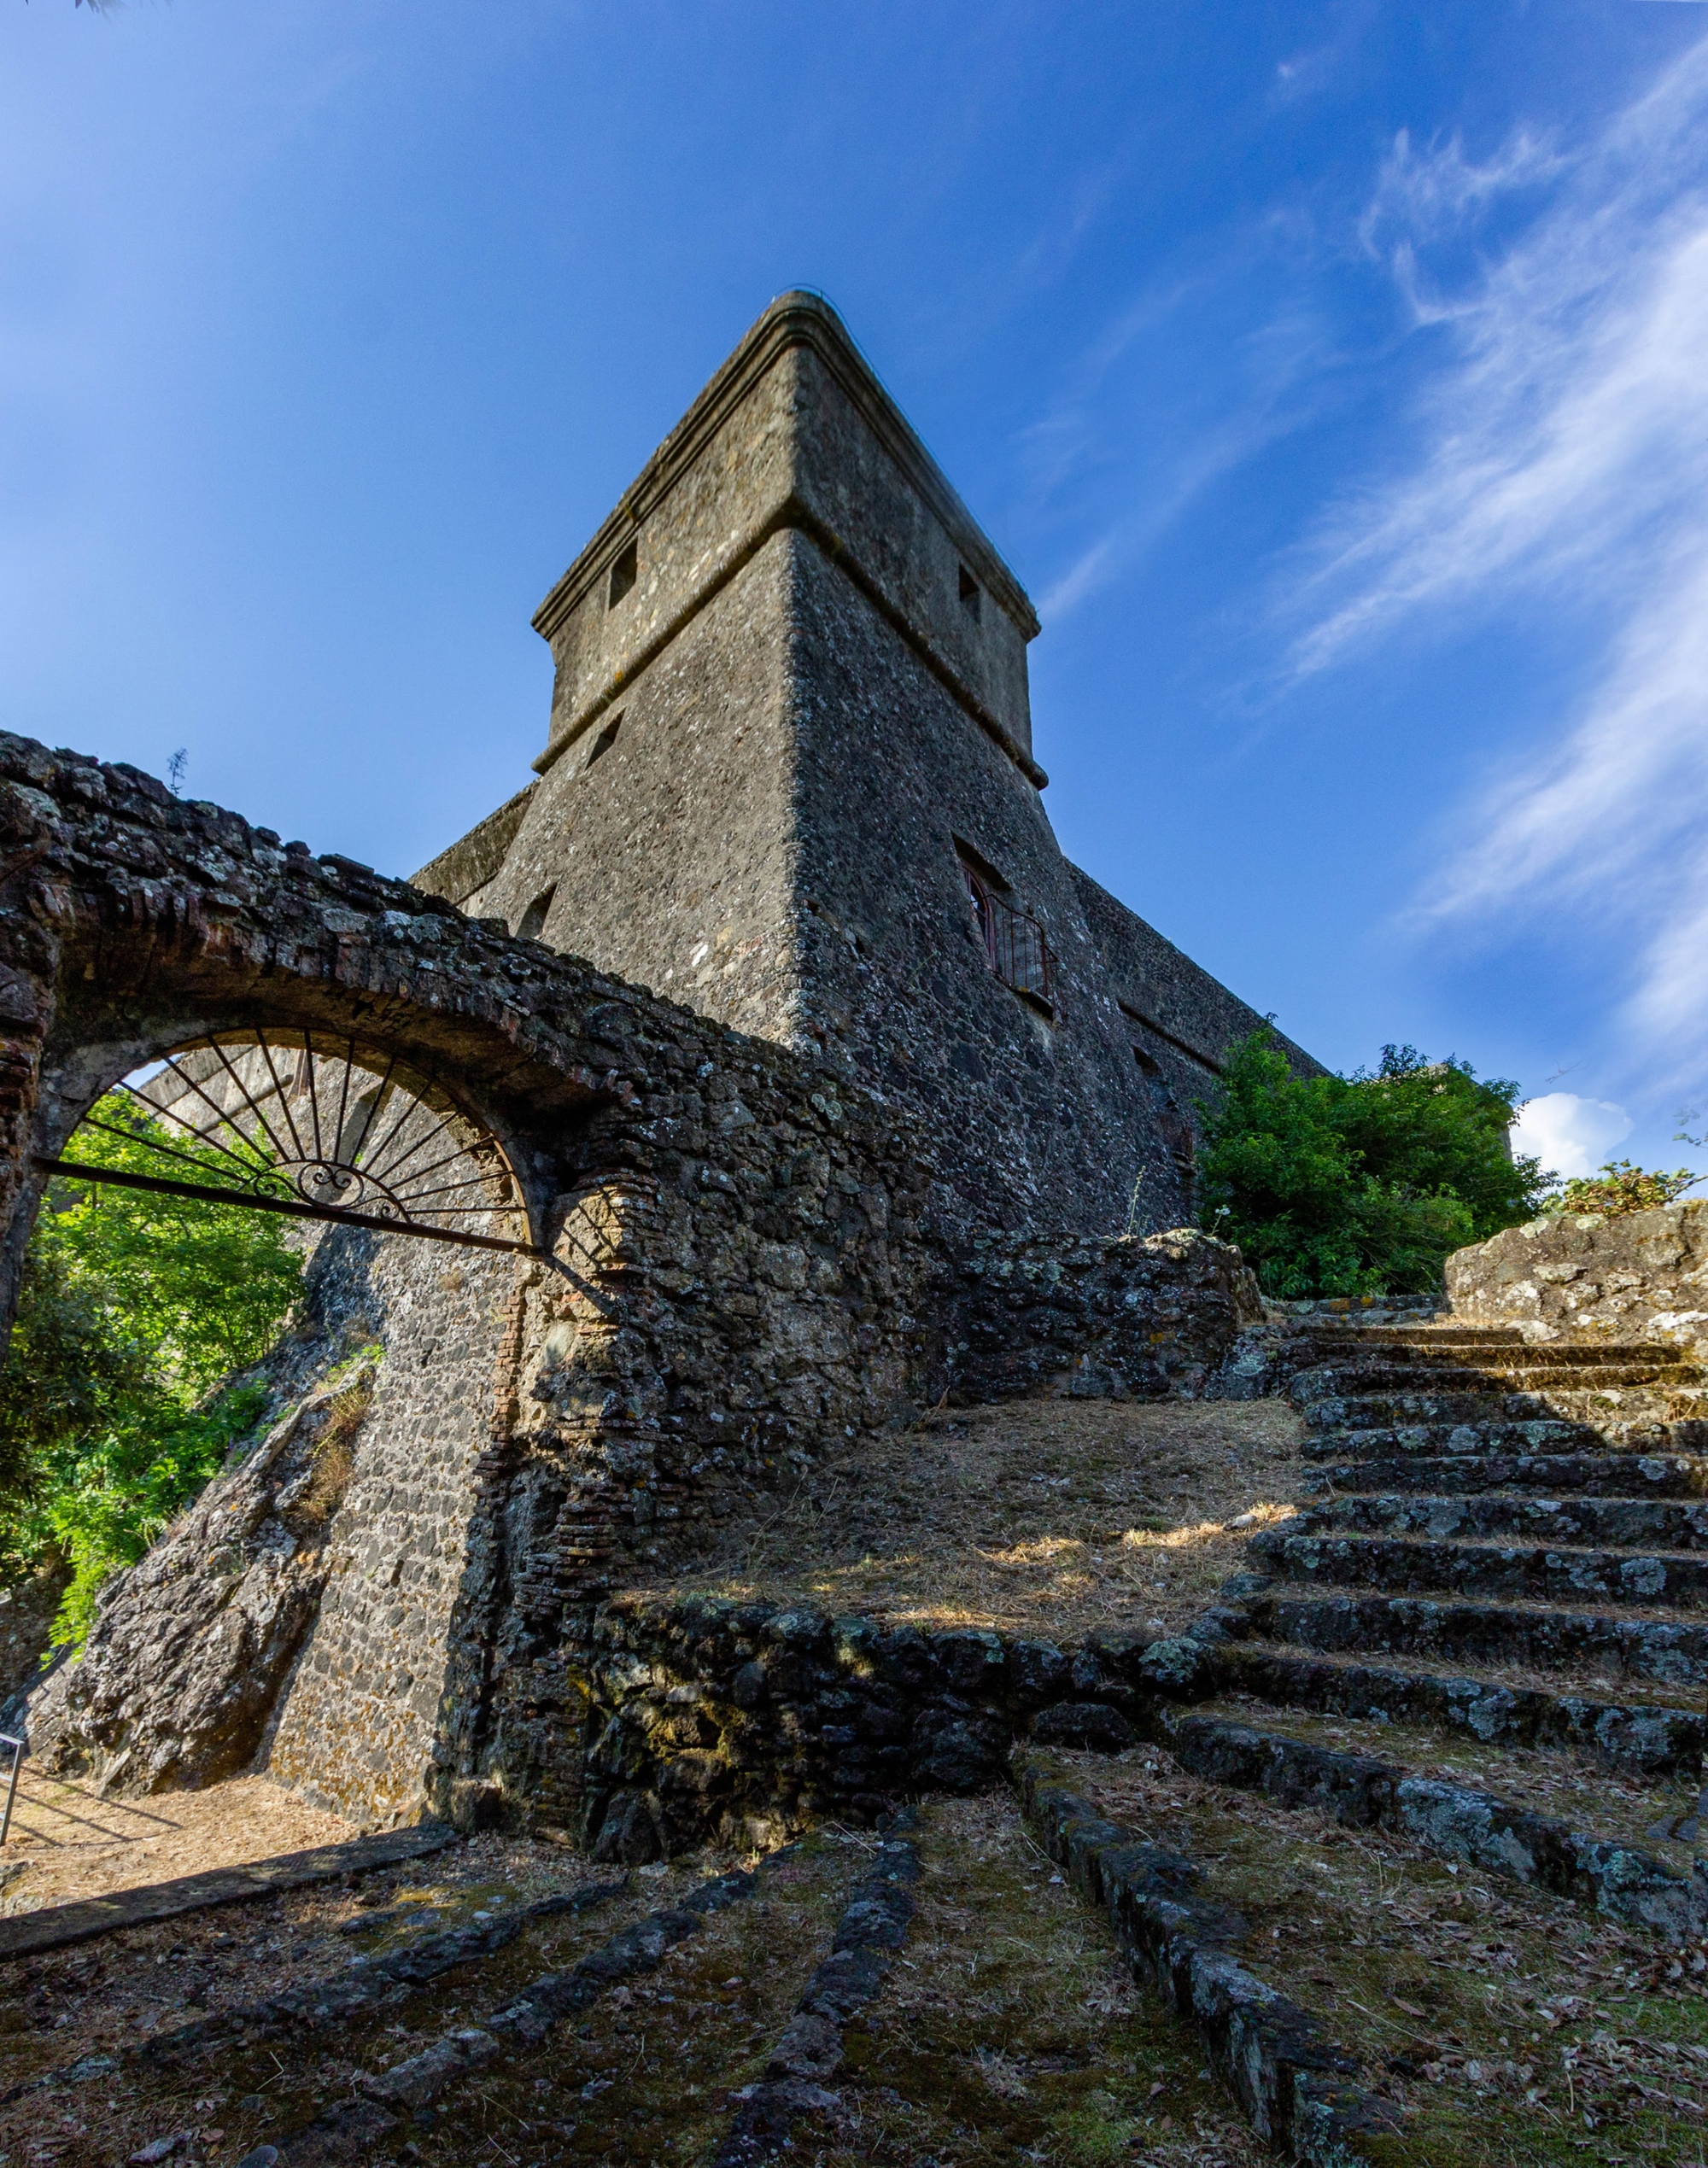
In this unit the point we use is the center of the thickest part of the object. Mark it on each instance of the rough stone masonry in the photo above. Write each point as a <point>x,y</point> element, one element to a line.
<point>732,1267</point>
<point>789,781</point>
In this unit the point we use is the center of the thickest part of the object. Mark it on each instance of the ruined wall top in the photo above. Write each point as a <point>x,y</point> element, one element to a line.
<point>795,430</point>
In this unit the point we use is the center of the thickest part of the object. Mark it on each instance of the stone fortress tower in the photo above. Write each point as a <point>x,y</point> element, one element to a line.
<point>789,782</point>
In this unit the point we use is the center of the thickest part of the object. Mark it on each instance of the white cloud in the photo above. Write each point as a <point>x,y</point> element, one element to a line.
<point>1565,456</point>
<point>1418,195</point>
<point>1569,1135</point>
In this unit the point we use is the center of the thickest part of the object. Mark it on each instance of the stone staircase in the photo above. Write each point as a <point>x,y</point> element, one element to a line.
<point>1513,1543</point>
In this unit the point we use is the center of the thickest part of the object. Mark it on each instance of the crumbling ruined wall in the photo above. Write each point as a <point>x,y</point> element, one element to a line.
<point>731,1268</point>
<point>1145,1317</point>
<point>1641,1275</point>
<point>730,1261</point>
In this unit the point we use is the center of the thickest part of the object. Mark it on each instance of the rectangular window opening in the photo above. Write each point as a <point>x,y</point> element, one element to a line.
<point>970,595</point>
<point>623,574</point>
<point>1014,941</point>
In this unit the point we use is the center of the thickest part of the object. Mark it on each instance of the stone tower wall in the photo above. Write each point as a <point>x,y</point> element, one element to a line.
<point>790,697</point>
<point>794,431</point>
<point>1039,1119</point>
<point>670,857</point>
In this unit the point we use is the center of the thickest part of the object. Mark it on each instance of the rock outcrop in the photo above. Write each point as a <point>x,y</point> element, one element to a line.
<point>183,1668</point>
<point>1638,1275</point>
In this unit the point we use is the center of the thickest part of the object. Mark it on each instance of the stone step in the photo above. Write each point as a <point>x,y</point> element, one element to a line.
<point>1498,1356</point>
<point>1274,2055</point>
<point>1398,1335</point>
<point>809,2047</point>
<point>1612,1873</point>
<point>1535,1573</point>
<point>1635,1406</point>
<point>1005,2033</point>
<point>1383,1441</point>
<point>1473,2002</point>
<point>1622,1805</point>
<point>1614,1643</point>
<point>1625,1522</point>
<point>1363,1380</point>
<point>1623,1474</point>
<point>1647,1737</point>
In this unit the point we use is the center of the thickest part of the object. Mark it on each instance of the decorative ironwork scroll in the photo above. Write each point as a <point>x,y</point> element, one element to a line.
<point>314,1127</point>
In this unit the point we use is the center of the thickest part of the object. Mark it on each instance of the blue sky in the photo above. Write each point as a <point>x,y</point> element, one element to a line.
<point>1336,378</point>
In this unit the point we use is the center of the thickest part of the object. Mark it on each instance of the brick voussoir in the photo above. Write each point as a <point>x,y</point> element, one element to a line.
<point>1297,2086</point>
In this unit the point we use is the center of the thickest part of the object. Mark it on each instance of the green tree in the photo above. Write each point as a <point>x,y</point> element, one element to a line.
<point>1362,1184</point>
<point>134,1311</point>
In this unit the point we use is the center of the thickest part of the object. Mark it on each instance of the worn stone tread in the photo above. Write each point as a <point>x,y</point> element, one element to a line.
<point>1610,1414</point>
<point>1638,1477</point>
<point>1477,1566</point>
<point>1389,1348</point>
<point>1380,1381</point>
<point>1487,1702</point>
<point>55,1925</point>
<point>1453,1819</point>
<point>1683,1438</point>
<point>1670,1652</point>
<point>1495,1516</point>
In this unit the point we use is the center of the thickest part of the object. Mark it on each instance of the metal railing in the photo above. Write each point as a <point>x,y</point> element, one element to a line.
<point>17,1747</point>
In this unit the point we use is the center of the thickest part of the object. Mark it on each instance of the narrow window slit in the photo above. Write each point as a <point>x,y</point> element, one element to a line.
<point>605,740</point>
<point>531,925</point>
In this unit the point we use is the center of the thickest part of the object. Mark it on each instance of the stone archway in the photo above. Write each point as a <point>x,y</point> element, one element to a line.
<point>723,1265</point>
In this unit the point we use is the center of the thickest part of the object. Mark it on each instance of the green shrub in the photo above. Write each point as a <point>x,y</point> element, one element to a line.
<point>1620,1187</point>
<point>133,1313</point>
<point>1363,1185</point>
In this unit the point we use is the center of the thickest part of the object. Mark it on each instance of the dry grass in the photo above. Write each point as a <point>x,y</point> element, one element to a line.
<point>68,1843</point>
<point>103,1997</point>
<point>1043,1517</point>
<point>335,1447</point>
<point>1009,2032</point>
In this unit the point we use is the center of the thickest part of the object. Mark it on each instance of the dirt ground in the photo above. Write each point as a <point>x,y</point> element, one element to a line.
<point>66,1842</point>
<point>1005,2031</point>
<point>1039,1516</point>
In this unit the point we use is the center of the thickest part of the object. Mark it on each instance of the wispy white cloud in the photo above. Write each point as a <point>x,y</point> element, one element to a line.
<point>1565,457</point>
<point>1183,452</point>
<point>1420,194</point>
